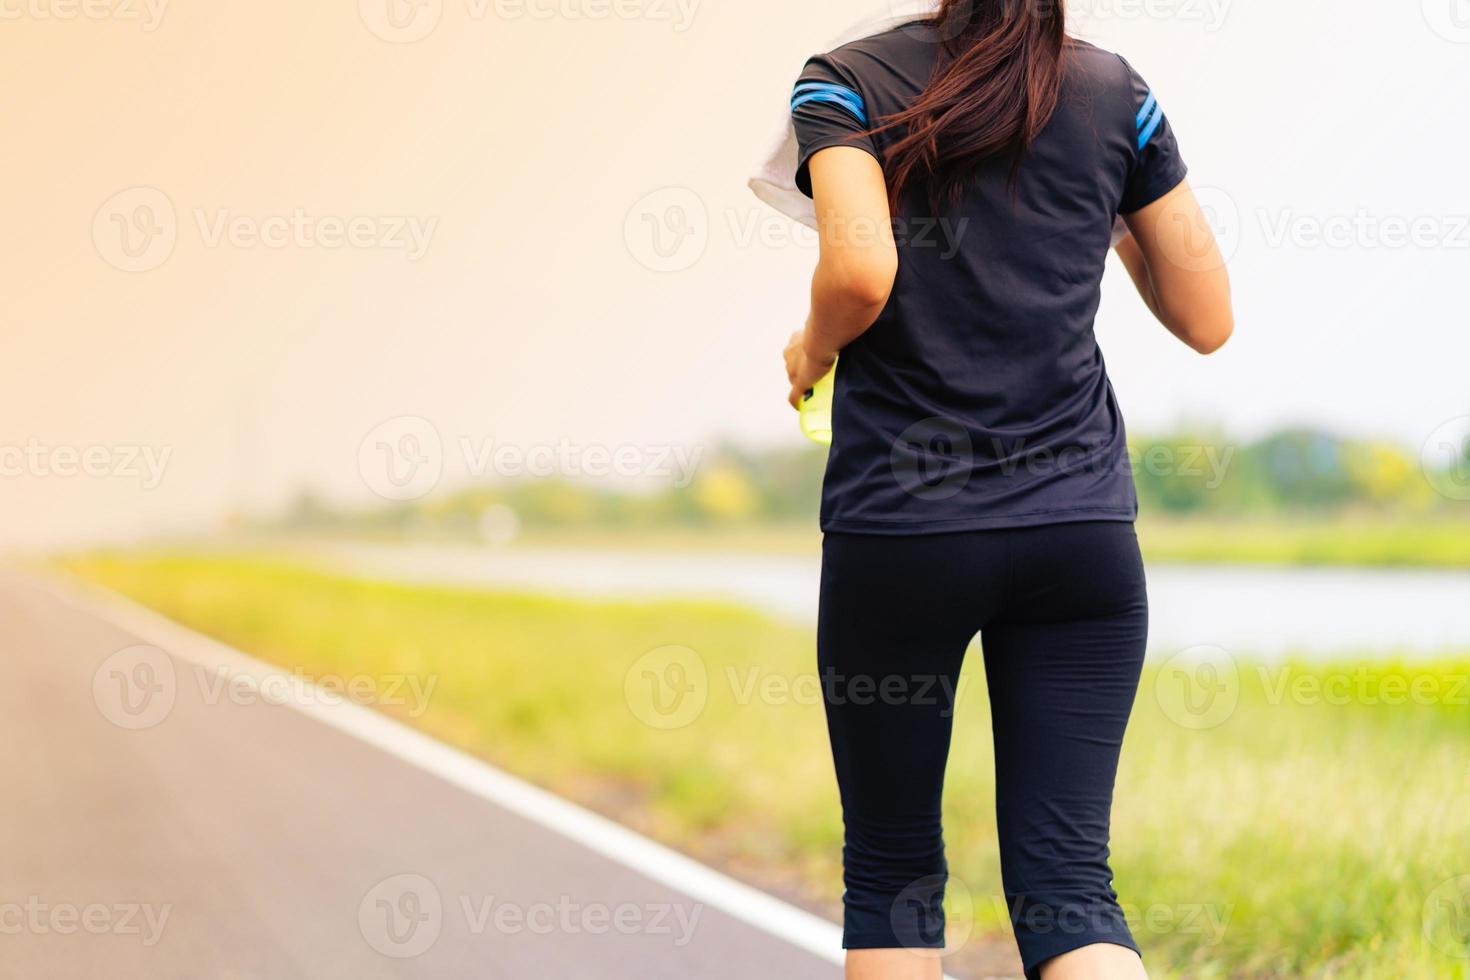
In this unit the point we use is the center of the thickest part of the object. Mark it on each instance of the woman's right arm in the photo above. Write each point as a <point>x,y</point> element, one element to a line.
<point>1173,258</point>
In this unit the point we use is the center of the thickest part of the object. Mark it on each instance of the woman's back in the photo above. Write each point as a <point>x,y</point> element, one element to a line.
<point>979,479</point>
<point>978,398</point>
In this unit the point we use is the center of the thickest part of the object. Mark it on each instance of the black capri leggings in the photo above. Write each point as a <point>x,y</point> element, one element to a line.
<point>1063,617</point>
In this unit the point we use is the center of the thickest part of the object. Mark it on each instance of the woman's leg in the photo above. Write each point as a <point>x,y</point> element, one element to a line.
<point>894,964</point>
<point>1062,661</point>
<point>1100,961</point>
<point>896,616</point>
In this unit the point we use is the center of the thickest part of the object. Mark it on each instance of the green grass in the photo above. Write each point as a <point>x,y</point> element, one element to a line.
<point>1310,541</point>
<point>1316,832</point>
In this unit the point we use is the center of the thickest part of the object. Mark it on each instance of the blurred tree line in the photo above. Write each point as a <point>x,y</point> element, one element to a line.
<point>1300,472</point>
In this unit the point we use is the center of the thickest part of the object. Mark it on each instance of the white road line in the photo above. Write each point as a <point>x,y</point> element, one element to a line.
<point>597,833</point>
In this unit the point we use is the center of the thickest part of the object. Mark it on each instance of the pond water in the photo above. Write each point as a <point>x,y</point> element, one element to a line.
<point>1263,610</point>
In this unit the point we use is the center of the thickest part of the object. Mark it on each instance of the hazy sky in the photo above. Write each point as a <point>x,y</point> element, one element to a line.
<point>242,237</point>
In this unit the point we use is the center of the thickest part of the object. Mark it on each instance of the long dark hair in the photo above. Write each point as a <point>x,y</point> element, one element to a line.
<point>996,85</point>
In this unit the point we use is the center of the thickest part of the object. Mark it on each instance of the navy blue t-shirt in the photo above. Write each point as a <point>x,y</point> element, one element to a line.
<point>979,398</point>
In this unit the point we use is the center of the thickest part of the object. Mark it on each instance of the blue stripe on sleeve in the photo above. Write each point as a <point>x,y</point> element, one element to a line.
<point>842,90</point>
<point>837,95</point>
<point>1148,105</point>
<point>1153,125</point>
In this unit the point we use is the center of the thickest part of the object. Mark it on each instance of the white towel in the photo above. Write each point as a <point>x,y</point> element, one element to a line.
<point>775,181</point>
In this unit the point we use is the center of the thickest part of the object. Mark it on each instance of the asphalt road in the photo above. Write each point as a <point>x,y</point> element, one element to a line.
<point>230,837</point>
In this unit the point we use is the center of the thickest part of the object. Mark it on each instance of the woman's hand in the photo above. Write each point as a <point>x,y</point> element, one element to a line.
<point>803,368</point>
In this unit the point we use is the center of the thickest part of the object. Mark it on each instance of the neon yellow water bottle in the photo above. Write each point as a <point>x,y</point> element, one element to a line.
<point>816,410</point>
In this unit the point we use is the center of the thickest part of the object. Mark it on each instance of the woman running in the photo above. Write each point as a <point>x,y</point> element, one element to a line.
<point>967,172</point>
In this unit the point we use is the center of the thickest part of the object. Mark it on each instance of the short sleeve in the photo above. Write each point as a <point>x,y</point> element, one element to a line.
<point>827,109</point>
<point>1157,166</point>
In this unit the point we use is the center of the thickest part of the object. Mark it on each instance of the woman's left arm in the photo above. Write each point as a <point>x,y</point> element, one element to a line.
<point>857,265</point>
